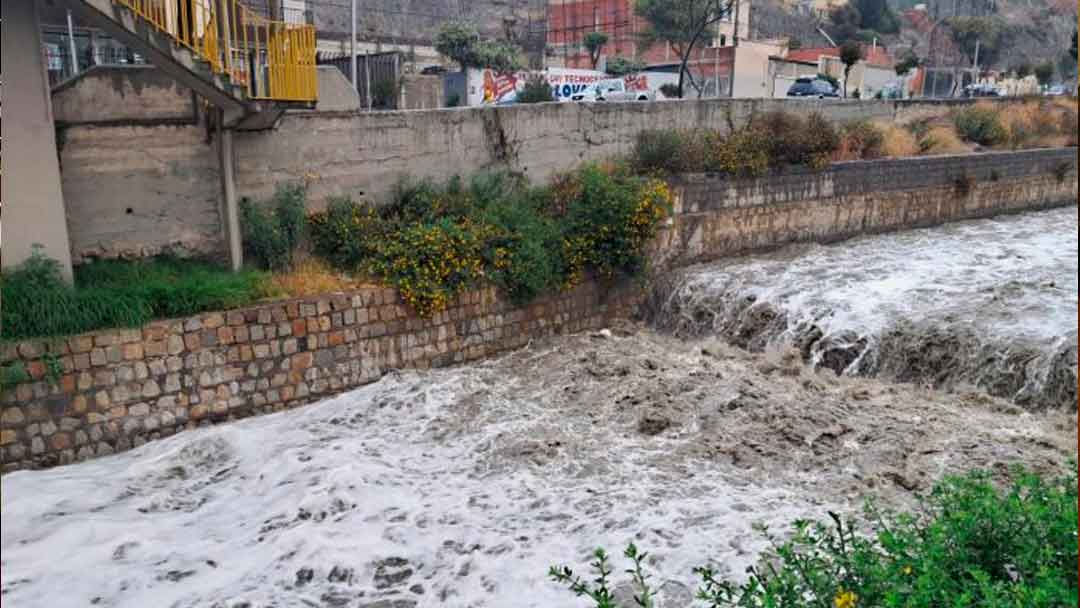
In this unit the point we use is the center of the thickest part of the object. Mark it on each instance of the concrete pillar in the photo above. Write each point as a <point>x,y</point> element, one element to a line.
<point>230,212</point>
<point>33,202</point>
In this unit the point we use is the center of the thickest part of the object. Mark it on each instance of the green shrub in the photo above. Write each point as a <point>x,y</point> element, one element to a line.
<point>862,140</point>
<point>981,125</point>
<point>430,263</point>
<point>346,233</point>
<point>970,545</point>
<point>114,293</point>
<point>536,90</point>
<point>272,235</point>
<point>793,140</point>
<point>435,240</point>
<point>611,221</point>
<point>657,151</point>
<point>670,90</point>
<point>743,154</point>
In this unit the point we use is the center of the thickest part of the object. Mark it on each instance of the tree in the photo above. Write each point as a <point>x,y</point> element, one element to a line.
<point>845,22</point>
<point>908,63</point>
<point>851,52</point>
<point>1044,73</point>
<point>461,42</point>
<point>681,24</point>
<point>621,66</point>
<point>984,33</point>
<point>875,15</point>
<point>594,43</point>
<point>456,40</point>
<point>499,55</point>
<point>1023,70</point>
<point>1073,49</point>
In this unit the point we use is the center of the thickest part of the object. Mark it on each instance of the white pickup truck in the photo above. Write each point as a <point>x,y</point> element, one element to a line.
<point>615,89</point>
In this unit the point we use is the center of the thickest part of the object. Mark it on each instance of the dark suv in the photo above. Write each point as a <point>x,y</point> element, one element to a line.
<point>812,87</point>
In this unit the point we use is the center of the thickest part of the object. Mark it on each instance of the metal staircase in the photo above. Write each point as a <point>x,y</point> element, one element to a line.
<point>250,67</point>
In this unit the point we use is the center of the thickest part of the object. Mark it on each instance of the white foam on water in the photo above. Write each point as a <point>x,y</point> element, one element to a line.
<point>410,468</point>
<point>987,303</point>
<point>1013,276</point>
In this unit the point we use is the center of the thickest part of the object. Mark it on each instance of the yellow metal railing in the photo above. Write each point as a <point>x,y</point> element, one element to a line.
<point>272,60</point>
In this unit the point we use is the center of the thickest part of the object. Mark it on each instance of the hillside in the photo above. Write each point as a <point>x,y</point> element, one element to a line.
<point>1012,32</point>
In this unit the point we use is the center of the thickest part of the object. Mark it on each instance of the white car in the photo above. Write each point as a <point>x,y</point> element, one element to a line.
<point>613,89</point>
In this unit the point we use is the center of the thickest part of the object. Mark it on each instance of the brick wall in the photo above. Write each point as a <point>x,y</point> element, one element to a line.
<point>121,388</point>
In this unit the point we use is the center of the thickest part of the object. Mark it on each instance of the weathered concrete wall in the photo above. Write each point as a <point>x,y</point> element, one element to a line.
<point>137,93</point>
<point>137,191</point>
<point>120,389</point>
<point>170,171</point>
<point>363,154</point>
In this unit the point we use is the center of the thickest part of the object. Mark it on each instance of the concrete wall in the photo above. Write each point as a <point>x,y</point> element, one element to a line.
<point>137,93</point>
<point>363,155</point>
<point>136,191</point>
<point>122,388</point>
<point>32,195</point>
<point>167,174</point>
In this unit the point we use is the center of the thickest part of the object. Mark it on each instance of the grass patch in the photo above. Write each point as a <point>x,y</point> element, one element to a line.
<point>108,294</point>
<point>311,276</point>
<point>971,545</point>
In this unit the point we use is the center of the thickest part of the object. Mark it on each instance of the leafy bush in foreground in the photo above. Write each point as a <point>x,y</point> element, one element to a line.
<point>115,293</point>
<point>970,546</point>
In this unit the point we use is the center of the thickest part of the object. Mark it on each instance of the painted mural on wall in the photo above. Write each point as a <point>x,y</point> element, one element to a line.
<point>488,87</point>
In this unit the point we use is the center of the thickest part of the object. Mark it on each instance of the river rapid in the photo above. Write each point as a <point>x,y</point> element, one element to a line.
<point>988,304</point>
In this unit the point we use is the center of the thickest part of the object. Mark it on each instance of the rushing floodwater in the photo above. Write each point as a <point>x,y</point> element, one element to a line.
<point>988,303</point>
<point>460,487</point>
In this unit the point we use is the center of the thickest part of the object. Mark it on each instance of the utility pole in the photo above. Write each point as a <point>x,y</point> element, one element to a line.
<point>352,46</point>
<point>976,63</point>
<point>71,46</point>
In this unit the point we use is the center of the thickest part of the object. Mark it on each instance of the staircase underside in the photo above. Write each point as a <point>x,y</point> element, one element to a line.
<point>180,63</point>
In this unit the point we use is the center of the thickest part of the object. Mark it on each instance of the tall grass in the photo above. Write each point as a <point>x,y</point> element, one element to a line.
<point>108,294</point>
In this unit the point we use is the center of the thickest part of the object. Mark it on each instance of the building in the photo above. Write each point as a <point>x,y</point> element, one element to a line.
<point>710,67</point>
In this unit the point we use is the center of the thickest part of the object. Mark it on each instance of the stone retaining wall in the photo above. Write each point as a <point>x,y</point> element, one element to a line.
<point>120,388</point>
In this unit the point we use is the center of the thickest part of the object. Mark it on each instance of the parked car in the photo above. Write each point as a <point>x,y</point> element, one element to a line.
<point>1055,91</point>
<point>812,87</point>
<point>613,89</point>
<point>982,90</point>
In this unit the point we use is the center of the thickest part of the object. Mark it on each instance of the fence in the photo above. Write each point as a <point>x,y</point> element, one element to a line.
<point>379,73</point>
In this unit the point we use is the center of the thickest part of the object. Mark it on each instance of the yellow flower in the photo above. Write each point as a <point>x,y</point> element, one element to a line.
<point>907,570</point>
<point>845,599</point>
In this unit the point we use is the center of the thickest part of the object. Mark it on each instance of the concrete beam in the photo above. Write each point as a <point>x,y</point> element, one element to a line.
<point>230,213</point>
<point>33,201</point>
